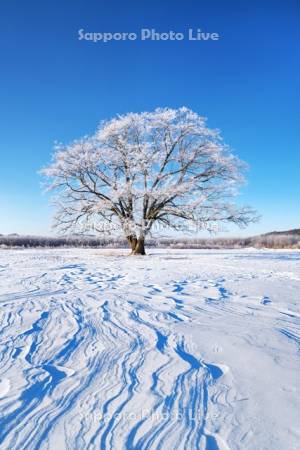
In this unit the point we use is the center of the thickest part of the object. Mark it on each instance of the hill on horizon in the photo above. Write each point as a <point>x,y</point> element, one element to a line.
<point>295,231</point>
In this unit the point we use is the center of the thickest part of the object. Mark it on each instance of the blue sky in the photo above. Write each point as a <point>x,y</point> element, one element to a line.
<point>55,87</point>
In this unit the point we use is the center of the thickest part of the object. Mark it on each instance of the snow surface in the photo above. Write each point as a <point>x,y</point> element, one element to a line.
<point>176,350</point>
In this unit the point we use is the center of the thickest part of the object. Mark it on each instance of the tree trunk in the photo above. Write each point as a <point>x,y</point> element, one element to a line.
<point>139,247</point>
<point>132,240</point>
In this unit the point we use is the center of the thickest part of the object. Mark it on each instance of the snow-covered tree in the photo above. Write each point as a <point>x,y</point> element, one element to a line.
<point>137,170</point>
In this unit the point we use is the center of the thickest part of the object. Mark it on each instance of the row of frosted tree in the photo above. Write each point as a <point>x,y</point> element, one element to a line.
<point>289,241</point>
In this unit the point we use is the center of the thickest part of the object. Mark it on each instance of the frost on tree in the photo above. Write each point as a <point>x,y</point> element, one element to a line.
<point>137,170</point>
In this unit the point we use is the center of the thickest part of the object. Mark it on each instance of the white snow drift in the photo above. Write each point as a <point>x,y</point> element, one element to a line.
<point>176,350</point>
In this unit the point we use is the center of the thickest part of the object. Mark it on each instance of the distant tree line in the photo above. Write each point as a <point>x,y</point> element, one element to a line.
<point>271,240</point>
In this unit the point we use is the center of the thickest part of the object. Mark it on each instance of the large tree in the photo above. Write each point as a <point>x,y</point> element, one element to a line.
<point>137,170</point>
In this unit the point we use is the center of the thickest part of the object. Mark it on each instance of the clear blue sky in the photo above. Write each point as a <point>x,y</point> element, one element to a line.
<point>55,87</point>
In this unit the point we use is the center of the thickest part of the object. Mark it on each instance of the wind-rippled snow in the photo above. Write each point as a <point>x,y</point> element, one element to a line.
<point>177,350</point>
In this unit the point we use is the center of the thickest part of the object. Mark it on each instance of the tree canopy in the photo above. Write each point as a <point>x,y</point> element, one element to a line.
<point>161,167</point>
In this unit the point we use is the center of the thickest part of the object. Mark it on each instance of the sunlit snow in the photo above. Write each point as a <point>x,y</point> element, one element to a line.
<point>176,350</point>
